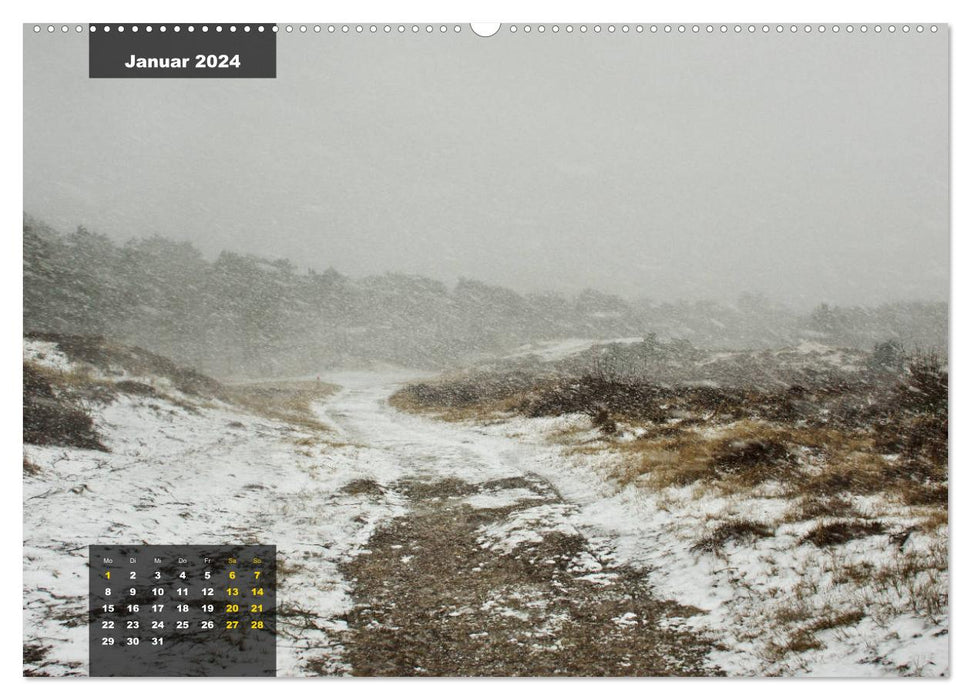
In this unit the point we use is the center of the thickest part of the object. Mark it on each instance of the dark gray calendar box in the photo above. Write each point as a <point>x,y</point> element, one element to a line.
<point>182,610</point>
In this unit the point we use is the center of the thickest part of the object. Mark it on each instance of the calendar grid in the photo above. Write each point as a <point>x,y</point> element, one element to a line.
<point>182,610</point>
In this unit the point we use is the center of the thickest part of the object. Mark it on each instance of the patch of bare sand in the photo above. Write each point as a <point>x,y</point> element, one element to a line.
<point>431,598</point>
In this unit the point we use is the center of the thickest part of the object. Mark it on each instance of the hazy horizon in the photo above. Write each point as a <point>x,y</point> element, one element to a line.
<point>806,168</point>
<point>731,302</point>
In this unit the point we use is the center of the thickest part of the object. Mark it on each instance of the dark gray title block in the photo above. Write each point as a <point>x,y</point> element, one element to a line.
<point>181,51</point>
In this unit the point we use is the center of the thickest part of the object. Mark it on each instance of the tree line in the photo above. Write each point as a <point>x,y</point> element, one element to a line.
<point>248,315</point>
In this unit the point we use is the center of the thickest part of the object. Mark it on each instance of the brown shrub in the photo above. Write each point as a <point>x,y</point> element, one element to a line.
<point>844,619</point>
<point>736,531</point>
<point>842,531</point>
<point>128,386</point>
<point>936,519</point>
<point>742,455</point>
<point>362,487</point>
<point>925,388</point>
<point>754,460</point>
<point>924,494</point>
<point>666,468</point>
<point>855,472</point>
<point>916,421</point>
<point>813,507</point>
<point>796,642</point>
<point>600,417</point>
<point>51,416</point>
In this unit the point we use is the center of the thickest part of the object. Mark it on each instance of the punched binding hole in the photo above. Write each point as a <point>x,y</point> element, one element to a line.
<point>485,29</point>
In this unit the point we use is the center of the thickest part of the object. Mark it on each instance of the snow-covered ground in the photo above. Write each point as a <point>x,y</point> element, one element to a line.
<point>204,475</point>
<point>746,591</point>
<point>212,474</point>
<point>737,591</point>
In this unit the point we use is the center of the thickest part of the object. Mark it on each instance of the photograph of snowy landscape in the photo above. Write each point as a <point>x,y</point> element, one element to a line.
<point>552,353</point>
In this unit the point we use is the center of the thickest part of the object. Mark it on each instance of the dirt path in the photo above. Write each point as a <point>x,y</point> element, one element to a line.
<point>485,574</point>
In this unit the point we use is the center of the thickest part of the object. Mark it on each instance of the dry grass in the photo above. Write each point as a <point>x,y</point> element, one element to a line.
<point>858,472</point>
<point>363,487</point>
<point>286,568</point>
<point>735,457</point>
<point>825,435</point>
<point>55,411</point>
<point>847,618</point>
<point>290,402</point>
<point>934,519</point>
<point>816,479</point>
<point>842,531</point>
<point>732,531</point>
<point>819,466</point>
<point>796,642</point>
<point>925,493</point>
<point>488,409</point>
<point>917,578</point>
<point>30,469</point>
<point>821,472</point>
<point>814,507</point>
<point>848,591</point>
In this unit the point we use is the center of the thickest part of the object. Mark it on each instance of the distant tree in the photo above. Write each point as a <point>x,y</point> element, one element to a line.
<point>165,283</point>
<point>887,356</point>
<point>824,319</point>
<point>253,315</point>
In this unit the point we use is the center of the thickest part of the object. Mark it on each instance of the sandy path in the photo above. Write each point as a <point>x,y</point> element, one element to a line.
<point>486,573</point>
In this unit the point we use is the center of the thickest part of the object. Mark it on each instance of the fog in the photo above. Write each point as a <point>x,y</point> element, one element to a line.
<point>807,168</point>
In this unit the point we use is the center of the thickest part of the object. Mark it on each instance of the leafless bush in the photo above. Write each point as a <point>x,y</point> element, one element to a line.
<point>842,531</point>
<point>52,416</point>
<point>737,531</point>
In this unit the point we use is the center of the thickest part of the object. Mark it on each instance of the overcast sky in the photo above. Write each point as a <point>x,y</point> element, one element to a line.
<point>806,167</point>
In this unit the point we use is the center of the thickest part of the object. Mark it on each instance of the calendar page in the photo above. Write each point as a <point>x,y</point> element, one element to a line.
<point>519,349</point>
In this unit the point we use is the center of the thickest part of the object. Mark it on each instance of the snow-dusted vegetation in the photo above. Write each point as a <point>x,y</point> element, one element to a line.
<point>177,457</point>
<point>468,480</point>
<point>798,497</point>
